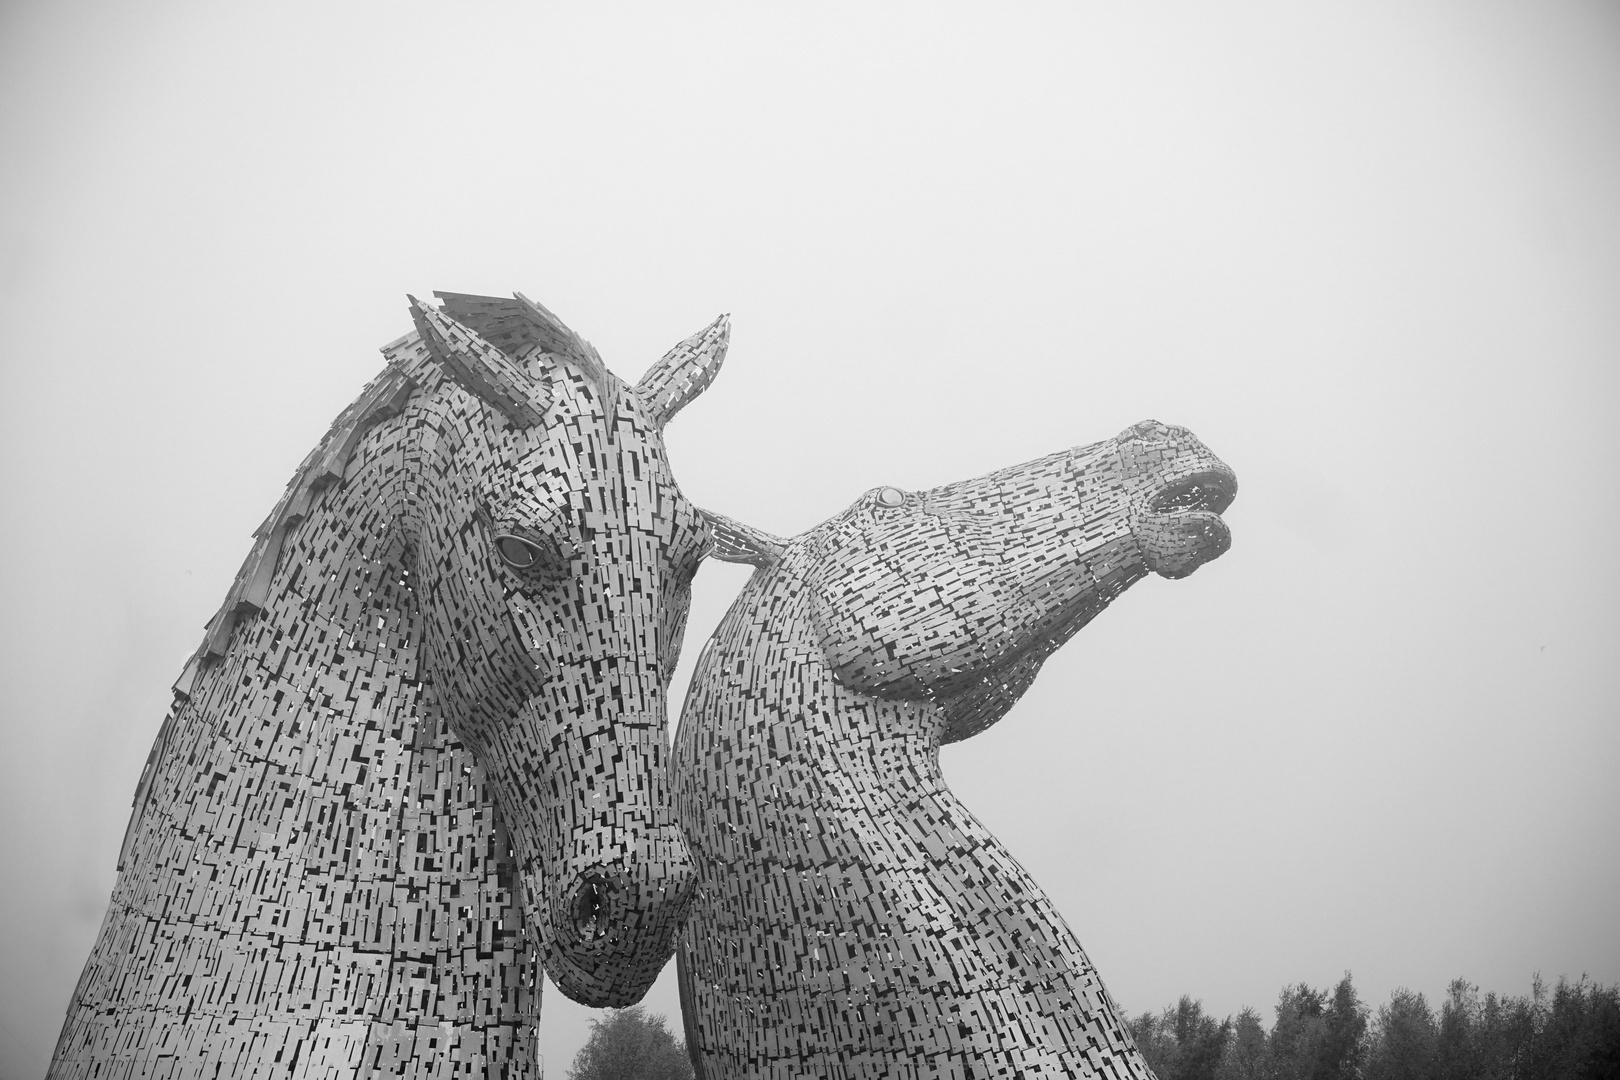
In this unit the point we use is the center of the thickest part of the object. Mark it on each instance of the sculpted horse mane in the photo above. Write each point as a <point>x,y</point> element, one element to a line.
<point>422,745</point>
<point>853,919</point>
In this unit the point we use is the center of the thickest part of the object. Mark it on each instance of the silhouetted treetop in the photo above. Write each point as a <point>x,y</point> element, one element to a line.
<point>630,1045</point>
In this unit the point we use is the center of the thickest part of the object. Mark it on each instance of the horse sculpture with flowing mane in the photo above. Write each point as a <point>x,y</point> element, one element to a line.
<point>853,919</point>
<point>422,746</point>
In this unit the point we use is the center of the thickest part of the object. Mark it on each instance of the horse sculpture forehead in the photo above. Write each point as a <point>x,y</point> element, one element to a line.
<point>1107,479</point>
<point>600,469</point>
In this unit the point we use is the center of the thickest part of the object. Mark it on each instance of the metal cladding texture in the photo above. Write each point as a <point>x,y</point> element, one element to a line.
<point>852,918</point>
<point>422,747</point>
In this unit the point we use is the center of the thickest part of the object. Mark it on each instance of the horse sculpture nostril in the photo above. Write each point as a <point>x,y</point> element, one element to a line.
<point>590,907</point>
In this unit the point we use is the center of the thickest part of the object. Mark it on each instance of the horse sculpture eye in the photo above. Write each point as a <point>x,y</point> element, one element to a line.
<point>891,497</point>
<point>516,552</point>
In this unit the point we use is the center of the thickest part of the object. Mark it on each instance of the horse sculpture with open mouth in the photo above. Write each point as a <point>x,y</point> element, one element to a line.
<point>852,918</point>
<point>424,742</point>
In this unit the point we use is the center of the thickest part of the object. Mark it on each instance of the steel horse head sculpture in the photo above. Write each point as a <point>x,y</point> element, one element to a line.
<point>853,919</point>
<point>424,741</point>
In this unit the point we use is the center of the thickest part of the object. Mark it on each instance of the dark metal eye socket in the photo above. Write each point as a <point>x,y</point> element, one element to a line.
<point>516,552</point>
<point>891,497</point>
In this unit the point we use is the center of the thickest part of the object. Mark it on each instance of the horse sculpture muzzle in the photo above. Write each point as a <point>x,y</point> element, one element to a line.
<point>1177,523</point>
<point>607,908</point>
<point>612,910</point>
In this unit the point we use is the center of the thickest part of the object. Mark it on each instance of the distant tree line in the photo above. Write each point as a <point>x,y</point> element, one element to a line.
<point>1572,1033</point>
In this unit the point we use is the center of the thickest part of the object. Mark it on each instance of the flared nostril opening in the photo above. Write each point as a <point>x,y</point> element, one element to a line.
<point>591,908</point>
<point>1206,491</point>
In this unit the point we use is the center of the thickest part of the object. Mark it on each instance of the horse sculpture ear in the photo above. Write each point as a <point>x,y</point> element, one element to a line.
<point>684,372</point>
<point>480,368</point>
<point>739,543</point>
<point>554,337</point>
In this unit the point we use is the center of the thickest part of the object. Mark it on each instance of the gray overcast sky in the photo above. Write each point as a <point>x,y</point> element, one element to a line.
<point>1369,253</point>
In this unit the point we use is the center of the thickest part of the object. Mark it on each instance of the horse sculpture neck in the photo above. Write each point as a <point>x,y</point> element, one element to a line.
<point>365,819</point>
<point>853,918</point>
<point>284,864</point>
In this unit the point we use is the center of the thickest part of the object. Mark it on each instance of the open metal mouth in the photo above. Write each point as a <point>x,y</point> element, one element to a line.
<point>1209,491</point>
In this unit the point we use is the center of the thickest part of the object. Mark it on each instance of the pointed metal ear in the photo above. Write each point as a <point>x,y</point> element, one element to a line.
<point>684,372</point>
<point>554,337</point>
<point>739,543</point>
<point>480,368</point>
<point>518,326</point>
<point>497,319</point>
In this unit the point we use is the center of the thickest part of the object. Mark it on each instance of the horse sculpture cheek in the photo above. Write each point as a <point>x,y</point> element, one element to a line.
<point>913,601</point>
